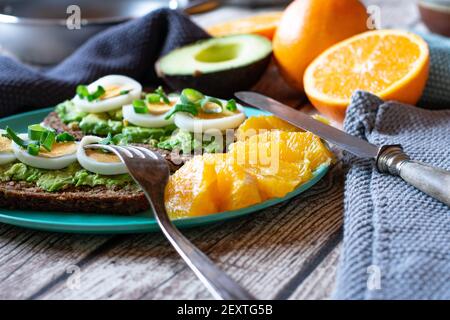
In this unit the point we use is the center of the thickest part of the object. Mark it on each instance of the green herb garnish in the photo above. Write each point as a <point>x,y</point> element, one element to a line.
<point>211,105</point>
<point>64,137</point>
<point>231,105</point>
<point>124,92</point>
<point>33,149</point>
<point>140,106</point>
<point>191,95</point>
<point>159,91</point>
<point>47,139</point>
<point>83,93</point>
<point>189,108</point>
<point>108,140</point>
<point>157,96</point>
<point>10,134</point>
<point>39,137</point>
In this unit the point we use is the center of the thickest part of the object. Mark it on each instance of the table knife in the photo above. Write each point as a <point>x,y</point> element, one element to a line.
<point>389,159</point>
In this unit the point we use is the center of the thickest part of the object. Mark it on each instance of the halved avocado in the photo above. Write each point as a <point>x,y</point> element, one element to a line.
<point>218,66</point>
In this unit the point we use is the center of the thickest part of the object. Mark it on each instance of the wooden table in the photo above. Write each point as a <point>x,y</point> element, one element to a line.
<point>289,251</point>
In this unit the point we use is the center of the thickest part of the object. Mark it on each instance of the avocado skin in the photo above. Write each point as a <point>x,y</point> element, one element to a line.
<point>221,84</point>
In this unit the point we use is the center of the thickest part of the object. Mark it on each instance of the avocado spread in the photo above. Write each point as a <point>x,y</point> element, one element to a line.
<point>106,123</point>
<point>55,180</point>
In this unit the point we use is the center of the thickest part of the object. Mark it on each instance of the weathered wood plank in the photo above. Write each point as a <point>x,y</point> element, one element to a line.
<point>264,252</point>
<point>30,260</point>
<point>320,284</point>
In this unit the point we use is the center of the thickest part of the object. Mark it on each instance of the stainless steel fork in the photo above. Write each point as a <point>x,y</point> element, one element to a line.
<point>151,172</point>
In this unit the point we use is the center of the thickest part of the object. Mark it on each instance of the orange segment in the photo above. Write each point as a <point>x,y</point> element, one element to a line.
<point>258,124</point>
<point>277,182</point>
<point>292,147</point>
<point>191,191</point>
<point>262,24</point>
<point>261,167</point>
<point>237,188</point>
<point>389,63</point>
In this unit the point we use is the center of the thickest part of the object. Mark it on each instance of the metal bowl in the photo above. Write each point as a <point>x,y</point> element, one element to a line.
<point>45,32</point>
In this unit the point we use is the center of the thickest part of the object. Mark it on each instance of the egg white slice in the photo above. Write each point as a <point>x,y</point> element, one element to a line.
<point>7,154</point>
<point>112,103</point>
<point>91,164</point>
<point>147,120</point>
<point>50,163</point>
<point>188,122</point>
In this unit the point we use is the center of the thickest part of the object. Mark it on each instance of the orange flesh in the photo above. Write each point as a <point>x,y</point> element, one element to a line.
<point>262,24</point>
<point>242,177</point>
<point>366,65</point>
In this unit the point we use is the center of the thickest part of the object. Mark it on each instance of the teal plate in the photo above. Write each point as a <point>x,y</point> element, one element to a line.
<point>103,223</point>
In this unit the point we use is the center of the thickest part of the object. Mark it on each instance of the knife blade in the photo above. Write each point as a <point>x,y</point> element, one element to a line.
<point>358,147</point>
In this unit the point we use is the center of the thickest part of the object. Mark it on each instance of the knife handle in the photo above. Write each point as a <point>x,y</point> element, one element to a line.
<point>431,180</point>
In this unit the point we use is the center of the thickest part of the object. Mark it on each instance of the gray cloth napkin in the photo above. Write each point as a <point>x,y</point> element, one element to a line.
<point>396,238</point>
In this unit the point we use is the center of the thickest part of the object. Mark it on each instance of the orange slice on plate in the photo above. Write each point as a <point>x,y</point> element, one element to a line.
<point>262,24</point>
<point>392,64</point>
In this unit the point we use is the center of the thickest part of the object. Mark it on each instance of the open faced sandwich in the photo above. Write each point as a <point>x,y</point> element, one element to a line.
<point>48,169</point>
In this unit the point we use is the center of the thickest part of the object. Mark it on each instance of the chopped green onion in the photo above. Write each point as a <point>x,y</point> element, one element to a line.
<point>124,92</point>
<point>35,131</point>
<point>33,149</point>
<point>64,137</point>
<point>14,137</point>
<point>83,93</point>
<point>163,96</point>
<point>153,98</point>
<point>191,95</point>
<point>140,106</point>
<point>107,140</point>
<point>189,108</point>
<point>231,105</point>
<point>211,105</point>
<point>97,94</point>
<point>47,140</point>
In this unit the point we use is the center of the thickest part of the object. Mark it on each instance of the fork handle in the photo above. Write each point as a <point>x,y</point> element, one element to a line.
<point>221,286</point>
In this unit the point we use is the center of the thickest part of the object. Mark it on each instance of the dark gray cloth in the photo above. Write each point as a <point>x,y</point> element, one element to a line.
<point>393,232</point>
<point>129,49</point>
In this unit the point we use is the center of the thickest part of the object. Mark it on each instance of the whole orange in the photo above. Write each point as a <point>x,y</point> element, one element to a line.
<point>308,27</point>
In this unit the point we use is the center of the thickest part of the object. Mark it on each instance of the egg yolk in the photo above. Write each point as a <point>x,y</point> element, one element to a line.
<point>223,114</point>
<point>102,156</point>
<point>59,149</point>
<point>159,108</point>
<point>112,91</point>
<point>5,144</point>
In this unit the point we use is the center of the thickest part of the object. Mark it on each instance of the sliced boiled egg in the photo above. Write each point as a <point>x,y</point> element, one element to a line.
<point>97,161</point>
<point>6,152</point>
<point>154,118</point>
<point>118,91</point>
<point>205,121</point>
<point>61,155</point>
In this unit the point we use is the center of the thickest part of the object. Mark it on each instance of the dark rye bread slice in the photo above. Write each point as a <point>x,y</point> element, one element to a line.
<point>99,199</point>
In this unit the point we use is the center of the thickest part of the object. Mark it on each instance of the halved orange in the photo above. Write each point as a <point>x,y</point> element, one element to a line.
<point>262,24</point>
<point>392,64</point>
